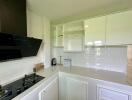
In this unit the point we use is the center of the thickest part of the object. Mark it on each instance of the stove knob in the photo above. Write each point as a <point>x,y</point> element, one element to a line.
<point>18,91</point>
<point>8,92</point>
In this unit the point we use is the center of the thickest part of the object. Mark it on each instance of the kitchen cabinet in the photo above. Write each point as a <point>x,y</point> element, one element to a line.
<point>62,87</point>
<point>73,26</point>
<point>50,92</point>
<point>73,37</point>
<point>34,25</point>
<point>119,28</point>
<point>73,42</point>
<point>58,36</point>
<point>95,31</point>
<point>113,29</point>
<point>43,90</point>
<point>76,85</point>
<point>76,89</point>
<point>72,88</point>
<point>107,93</point>
<point>13,17</point>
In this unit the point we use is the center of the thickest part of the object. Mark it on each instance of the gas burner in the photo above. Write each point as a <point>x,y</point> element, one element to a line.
<point>4,92</point>
<point>10,91</point>
<point>30,79</point>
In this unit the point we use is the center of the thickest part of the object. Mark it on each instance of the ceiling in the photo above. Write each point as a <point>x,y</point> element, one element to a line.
<point>60,9</point>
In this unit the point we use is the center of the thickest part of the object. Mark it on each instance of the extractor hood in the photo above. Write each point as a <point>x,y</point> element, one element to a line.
<point>14,47</point>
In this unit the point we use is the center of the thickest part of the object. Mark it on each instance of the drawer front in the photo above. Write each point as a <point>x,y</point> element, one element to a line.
<point>107,94</point>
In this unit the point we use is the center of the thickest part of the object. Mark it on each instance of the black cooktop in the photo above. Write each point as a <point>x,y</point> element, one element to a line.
<point>13,89</point>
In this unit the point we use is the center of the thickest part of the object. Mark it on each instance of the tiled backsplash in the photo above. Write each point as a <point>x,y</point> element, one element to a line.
<point>107,58</point>
<point>112,58</point>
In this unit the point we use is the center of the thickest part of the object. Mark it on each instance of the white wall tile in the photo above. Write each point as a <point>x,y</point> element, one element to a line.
<point>106,58</point>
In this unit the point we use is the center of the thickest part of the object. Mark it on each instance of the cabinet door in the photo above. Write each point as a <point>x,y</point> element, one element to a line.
<point>73,36</point>
<point>73,41</point>
<point>34,25</point>
<point>71,88</point>
<point>95,31</point>
<point>13,17</point>
<point>76,89</point>
<point>119,28</point>
<point>58,36</point>
<point>107,94</point>
<point>62,87</point>
<point>51,91</point>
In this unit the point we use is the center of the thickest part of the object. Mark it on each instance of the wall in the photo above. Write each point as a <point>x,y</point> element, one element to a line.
<point>11,70</point>
<point>106,58</point>
<point>37,26</point>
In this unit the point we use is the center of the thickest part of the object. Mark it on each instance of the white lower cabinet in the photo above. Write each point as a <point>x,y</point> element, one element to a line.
<point>72,88</point>
<point>50,92</point>
<point>75,87</point>
<point>104,93</point>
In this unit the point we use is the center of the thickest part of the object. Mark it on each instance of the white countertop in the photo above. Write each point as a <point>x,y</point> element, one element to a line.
<point>110,76</point>
<point>105,75</point>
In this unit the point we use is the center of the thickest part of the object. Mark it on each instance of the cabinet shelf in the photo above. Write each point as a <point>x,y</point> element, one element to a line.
<point>74,31</point>
<point>58,36</point>
<point>108,45</point>
<point>58,46</point>
<point>71,51</point>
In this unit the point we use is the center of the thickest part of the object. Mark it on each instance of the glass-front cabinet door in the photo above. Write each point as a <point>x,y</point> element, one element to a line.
<point>73,36</point>
<point>58,36</point>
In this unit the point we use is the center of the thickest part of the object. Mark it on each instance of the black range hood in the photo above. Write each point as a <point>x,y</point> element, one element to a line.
<point>14,47</point>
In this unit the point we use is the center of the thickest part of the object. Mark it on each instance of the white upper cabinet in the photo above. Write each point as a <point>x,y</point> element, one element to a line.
<point>73,42</point>
<point>73,26</point>
<point>58,36</point>
<point>119,28</point>
<point>73,36</point>
<point>113,29</point>
<point>95,30</point>
<point>34,25</point>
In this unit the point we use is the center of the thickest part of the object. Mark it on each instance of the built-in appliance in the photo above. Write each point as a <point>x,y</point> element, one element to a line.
<point>14,47</point>
<point>13,89</point>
